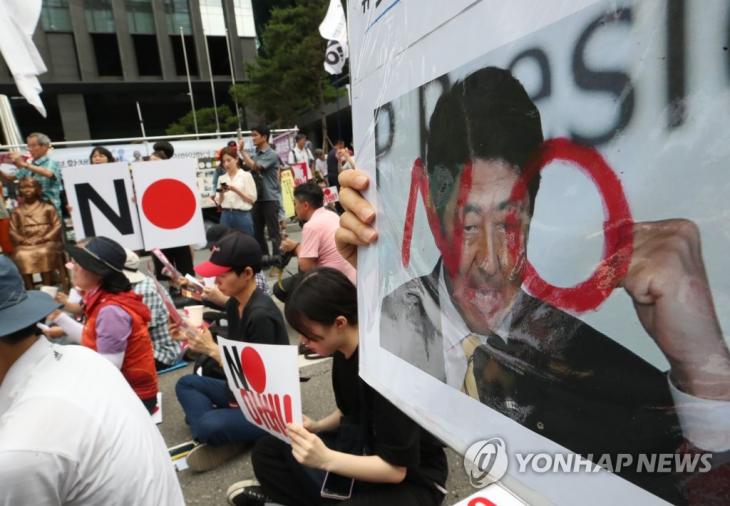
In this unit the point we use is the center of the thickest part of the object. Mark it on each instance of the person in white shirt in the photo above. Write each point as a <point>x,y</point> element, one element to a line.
<point>72,431</point>
<point>300,152</point>
<point>320,164</point>
<point>237,193</point>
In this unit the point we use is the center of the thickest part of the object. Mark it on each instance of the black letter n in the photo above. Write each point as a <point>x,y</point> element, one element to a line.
<point>234,364</point>
<point>122,222</point>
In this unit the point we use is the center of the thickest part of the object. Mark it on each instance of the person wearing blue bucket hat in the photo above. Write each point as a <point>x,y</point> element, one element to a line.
<point>20,309</point>
<point>71,429</point>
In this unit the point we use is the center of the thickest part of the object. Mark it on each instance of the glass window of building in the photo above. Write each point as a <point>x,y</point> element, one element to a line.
<point>214,22</point>
<point>244,18</point>
<point>99,16</point>
<point>178,14</point>
<point>139,17</point>
<point>55,16</point>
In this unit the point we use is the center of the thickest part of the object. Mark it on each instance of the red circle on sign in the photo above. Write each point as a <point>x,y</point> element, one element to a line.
<point>617,228</point>
<point>481,501</point>
<point>254,369</point>
<point>169,203</point>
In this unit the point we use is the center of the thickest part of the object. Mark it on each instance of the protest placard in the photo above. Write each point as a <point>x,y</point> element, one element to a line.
<point>169,203</point>
<point>594,129</point>
<point>102,203</point>
<point>264,378</point>
<point>301,173</point>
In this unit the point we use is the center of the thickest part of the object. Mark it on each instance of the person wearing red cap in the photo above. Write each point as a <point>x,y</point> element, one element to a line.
<point>216,422</point>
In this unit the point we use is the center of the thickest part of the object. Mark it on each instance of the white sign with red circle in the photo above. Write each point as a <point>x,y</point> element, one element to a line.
<point>331,195</point>
<point>264,379</point>
<point>169,203</point>
<point>301,173</point>
<point>493,495</point>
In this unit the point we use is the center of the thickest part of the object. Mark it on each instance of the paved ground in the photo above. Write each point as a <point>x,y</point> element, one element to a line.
<point>317,401</point>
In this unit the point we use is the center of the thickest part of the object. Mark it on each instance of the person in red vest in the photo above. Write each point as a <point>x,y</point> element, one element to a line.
<point>115,318</point>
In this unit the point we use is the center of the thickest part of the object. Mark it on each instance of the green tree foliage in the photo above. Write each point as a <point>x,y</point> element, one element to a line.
<point>288,78</point>
<point>206,122</point>
<point>262,14</point>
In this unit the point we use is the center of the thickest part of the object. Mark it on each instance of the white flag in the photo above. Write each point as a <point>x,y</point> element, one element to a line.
<point>17,24</point>
<point>334,29</point>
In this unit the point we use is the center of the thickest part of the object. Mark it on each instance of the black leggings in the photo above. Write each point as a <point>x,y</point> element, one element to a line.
<point>285,481</point>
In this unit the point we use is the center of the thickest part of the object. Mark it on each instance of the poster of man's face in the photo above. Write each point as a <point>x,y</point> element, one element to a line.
<point>553,235</point>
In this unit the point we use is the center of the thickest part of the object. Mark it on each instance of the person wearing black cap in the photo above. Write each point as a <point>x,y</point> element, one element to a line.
<point>71,429</point>
<point>116,319</point>
<point>215,421</point>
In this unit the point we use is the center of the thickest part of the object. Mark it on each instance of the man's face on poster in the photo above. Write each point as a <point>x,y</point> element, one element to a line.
<point>489,272</point>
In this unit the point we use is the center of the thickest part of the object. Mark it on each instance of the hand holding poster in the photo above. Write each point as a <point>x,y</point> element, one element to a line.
<point>264,378</point>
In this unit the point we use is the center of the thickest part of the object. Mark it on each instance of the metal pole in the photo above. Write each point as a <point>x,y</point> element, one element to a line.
<point>120,140</point>
<point>212,88</point>
<point>233,81</point>
<point>141,125</point>
<point>190,85</point>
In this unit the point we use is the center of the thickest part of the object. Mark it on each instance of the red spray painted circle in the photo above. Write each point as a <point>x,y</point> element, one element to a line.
<point>169,203</point>
<point>617,229</point>
<point>481,501</point>
<point>254,369</point>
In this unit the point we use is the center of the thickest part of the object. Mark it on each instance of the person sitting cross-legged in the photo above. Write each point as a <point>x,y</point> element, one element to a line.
<point>215,420</point>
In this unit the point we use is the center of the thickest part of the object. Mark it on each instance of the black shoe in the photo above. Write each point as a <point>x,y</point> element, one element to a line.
<point>246,493</point>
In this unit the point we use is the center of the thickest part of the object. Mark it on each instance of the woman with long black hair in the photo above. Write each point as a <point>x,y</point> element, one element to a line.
<point>367,451</point>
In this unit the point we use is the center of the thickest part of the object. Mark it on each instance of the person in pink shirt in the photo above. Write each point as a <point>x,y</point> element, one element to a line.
<point>317,248</point>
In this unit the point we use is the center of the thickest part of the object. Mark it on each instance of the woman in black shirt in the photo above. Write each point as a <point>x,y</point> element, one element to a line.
<point>391,458</point>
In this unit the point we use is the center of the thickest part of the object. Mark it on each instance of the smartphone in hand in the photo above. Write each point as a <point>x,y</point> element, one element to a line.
<point>336,486</point>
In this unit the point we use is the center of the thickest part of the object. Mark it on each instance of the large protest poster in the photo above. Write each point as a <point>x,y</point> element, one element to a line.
<point>589,336</point>
<point>169,203</point>
<point>264,379</point>
<point>102,203</point>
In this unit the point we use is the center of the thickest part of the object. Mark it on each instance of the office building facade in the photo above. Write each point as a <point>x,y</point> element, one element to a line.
<point>105,56</point>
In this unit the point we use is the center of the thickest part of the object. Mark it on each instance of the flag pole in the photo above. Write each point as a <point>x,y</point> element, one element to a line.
<point>212,87</point>
<point>233,82</point>
<point>190,85</point>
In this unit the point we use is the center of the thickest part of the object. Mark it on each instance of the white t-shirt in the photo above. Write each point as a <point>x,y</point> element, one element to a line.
<point>72,432</point>
<point>321,166</point>
<point>297,155</point>
<point>243,181</point>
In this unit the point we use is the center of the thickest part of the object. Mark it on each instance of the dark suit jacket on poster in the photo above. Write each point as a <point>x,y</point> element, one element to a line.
<point>555,375</point>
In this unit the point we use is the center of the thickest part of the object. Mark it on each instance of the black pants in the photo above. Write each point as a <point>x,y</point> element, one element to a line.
<point>285,481</point>
<point>266,214</point>
<point>181,257</point>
